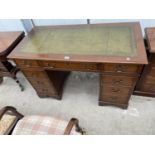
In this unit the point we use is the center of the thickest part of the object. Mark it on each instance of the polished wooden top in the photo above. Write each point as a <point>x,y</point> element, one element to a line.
<point>8,39</point>
<point>117,43</point>
<point>150,36</point>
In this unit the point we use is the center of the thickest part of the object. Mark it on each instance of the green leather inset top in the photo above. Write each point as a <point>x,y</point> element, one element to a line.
<point>84,40</point>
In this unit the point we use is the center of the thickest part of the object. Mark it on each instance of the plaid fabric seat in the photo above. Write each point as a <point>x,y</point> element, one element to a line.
<point>6,122</point>
<point>41,125</point>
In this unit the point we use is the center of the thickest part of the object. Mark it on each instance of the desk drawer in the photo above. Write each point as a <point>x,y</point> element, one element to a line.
<point>115,90</point>
<point>27,63</point>
<point>114,99</point>
<point>118,80</point>
<point>69,66</point>
<point>121,68</point>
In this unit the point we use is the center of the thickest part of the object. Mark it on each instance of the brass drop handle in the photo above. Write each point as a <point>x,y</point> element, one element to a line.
<point>120,68</point>
<point>27,64</point>
<point>117,81</point>
<point>50,66</point>
<point>115,90</point>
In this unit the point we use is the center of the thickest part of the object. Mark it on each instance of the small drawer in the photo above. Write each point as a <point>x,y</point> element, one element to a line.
<point>27,63</point>
<point>114,99</point>
<point>121,68</point>
<point>115,90</point>
<point>118,80</point>
<point>69,66</point>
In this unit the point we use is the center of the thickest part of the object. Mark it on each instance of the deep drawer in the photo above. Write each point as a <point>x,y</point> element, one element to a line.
<point>114,99</point>
<point>118,80</point>
<point>115,90</point>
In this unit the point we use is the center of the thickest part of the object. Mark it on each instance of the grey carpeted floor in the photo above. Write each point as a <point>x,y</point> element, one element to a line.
<point>80,99</point>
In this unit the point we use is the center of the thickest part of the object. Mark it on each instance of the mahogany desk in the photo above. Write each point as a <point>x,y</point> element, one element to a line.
<point>146,84</point>
<point>8,41</point>
<point>116,51</point>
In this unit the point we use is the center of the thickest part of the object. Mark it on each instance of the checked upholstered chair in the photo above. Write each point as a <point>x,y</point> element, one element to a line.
<point>12,122</point>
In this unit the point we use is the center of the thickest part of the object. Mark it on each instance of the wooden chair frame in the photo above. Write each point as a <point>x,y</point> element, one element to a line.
<point>12,111</point>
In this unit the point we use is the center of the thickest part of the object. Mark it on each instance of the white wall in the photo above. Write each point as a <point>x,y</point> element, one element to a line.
<point>144,22</point>
<point>11,25</point>
<point>40,22</point>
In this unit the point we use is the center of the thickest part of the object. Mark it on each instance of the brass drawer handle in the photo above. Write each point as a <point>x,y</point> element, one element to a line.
<point>119,68</point>
<point>115,90</point>
<point>50,65</point>
<point>27,64</point>
<point>117,81</point>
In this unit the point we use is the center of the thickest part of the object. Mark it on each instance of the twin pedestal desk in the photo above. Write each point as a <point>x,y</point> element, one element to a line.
<point>115,51</point>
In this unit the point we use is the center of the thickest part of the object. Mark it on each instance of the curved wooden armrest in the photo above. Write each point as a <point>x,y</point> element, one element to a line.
<point>72,122</point>
<point>13,111</point>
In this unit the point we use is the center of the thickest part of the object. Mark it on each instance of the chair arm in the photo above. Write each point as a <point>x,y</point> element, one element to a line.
<point>72,122</point>
<point>12,109</point>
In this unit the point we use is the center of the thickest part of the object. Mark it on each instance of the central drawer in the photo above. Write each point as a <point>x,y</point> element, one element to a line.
<point>69,66</point>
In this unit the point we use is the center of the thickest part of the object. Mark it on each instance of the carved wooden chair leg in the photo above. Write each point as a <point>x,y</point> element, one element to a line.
<point>1,80</point>
<point>20,85</point>
<point>14,72</point>
<point>74,122</point>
